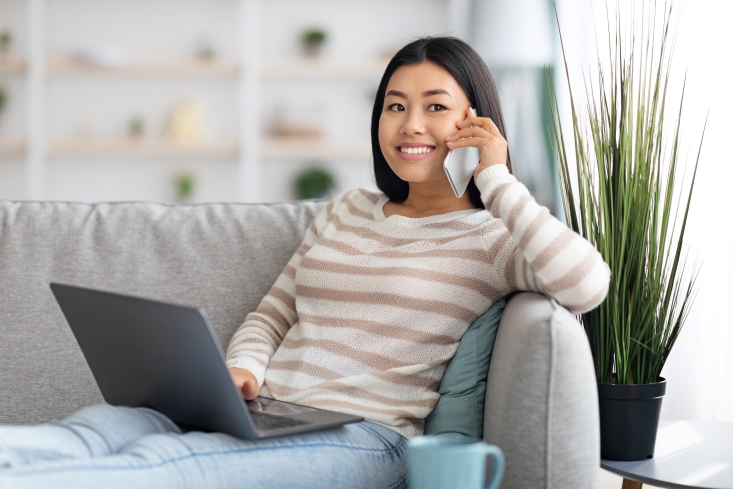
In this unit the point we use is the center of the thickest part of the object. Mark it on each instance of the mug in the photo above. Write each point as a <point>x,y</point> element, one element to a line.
<point>449,462</point>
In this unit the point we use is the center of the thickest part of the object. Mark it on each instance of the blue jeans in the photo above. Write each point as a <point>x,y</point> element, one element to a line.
<point>138,448</point>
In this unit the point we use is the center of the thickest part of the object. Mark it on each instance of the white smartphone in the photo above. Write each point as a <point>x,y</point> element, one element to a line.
<point>459,166</point>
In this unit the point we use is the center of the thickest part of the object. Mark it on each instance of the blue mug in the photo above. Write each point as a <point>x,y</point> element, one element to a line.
<point>449,462</point>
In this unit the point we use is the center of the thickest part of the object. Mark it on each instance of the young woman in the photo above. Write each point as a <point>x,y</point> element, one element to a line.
<point>365,316</point>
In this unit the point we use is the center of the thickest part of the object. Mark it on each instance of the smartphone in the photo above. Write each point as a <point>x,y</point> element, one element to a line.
<point>459,166</point>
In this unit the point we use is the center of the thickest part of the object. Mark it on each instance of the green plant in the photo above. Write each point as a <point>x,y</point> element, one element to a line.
<point>314,37</point>
<point>626,202</point>
<point>3,99</point>
<point>314,183</point>
<point>6,39</point>
<point>186,184</point>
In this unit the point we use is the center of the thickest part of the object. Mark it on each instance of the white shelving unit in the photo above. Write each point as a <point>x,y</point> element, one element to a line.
<point>249,72</point>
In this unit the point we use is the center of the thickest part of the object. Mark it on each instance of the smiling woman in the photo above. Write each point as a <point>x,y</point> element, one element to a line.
<point>425,92</point>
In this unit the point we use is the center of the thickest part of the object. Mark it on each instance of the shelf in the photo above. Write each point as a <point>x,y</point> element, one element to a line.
<point>282,68</point>
<point>272,148</point>
<point>313,148</point>
<point>323,68</point>
<point>213,69</point>
<point>11,66</point>
<point>12,148</point>
<point>141,149</point>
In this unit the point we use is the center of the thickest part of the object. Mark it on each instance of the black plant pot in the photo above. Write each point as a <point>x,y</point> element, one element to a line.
<point>629,419</point>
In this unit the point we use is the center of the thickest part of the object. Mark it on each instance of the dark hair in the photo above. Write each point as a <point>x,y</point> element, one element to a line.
<point>469,70</point>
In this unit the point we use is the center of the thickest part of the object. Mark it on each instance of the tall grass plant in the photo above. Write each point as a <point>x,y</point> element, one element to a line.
<point>626,196</point>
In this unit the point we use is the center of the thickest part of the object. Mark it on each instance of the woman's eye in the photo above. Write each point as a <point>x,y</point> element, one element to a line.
<point>396,107</point>
<point>435,108</point>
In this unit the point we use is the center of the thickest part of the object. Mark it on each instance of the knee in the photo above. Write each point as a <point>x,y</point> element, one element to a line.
<point>136,419</point>
<point>99,411</point>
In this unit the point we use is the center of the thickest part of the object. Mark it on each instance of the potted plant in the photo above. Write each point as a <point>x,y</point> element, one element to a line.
<point>314,183</point>
<point>186,185</point>
<point>3,100</point>
<point>6,41</point>
<point>313,41</point>
<point>625,199</point>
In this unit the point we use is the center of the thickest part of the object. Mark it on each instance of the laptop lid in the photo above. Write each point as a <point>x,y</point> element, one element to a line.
<point>146,353</point>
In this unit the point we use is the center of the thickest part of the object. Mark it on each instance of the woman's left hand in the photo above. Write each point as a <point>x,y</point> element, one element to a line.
<point>482,133</point>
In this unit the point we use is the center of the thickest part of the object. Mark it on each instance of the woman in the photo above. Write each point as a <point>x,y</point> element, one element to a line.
<point>366,314</point>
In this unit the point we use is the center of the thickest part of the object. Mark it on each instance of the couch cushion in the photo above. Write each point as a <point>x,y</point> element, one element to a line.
<point>220,257</point>
<point>462,390</point>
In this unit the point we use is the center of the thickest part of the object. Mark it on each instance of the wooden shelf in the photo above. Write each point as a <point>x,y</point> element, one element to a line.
<point>213,69</point>
<point>323,68</point>
<point>313,148</point>
<point>132,148</point>
<point>12,148</point>
<point>11,66</point>
<point>278,68</point>
<point>274,148</point>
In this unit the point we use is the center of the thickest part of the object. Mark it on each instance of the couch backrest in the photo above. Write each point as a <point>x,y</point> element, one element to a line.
<point>220,257</point>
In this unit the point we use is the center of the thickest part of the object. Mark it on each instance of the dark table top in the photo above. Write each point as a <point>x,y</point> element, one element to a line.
<point>688,454</point>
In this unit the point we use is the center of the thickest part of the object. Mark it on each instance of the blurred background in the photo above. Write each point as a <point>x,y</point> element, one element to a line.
<point>235,100</point>
<point>270,100</point>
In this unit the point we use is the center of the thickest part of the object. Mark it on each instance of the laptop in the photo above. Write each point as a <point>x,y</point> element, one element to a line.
<point>145,353</point>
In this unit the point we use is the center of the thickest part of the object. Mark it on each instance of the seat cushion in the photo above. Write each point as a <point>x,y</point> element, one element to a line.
<point>462,390</point>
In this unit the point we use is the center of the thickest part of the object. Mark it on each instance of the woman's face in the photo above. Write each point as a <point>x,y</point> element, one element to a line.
<point>422,105</point>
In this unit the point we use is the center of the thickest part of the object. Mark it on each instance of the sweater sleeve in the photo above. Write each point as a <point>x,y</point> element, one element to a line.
<point>542,254</point>
<point>263,330</point>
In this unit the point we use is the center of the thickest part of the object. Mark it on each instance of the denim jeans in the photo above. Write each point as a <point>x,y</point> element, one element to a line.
<point>118,447</point>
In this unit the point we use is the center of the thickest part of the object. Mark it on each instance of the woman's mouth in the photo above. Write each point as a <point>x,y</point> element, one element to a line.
<point>412,153</point>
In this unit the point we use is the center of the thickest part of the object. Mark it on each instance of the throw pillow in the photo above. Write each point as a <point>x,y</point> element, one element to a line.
<point>462,390</point>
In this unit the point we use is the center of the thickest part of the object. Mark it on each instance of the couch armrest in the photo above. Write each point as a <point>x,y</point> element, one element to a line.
<point>541,398</point>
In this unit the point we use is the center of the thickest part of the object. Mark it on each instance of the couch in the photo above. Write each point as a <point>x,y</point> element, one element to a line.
<point>541,400</point>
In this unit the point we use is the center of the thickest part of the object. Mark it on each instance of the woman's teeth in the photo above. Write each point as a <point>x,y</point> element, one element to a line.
<point>413,151</point>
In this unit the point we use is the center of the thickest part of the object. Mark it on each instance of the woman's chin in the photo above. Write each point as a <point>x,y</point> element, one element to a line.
<point>418,177</point>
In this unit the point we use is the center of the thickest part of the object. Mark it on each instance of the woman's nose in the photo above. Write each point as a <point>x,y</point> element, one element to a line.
<point>413,123</point>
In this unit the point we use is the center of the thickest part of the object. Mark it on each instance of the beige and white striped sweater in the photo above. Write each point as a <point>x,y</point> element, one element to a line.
<point>369,310</point>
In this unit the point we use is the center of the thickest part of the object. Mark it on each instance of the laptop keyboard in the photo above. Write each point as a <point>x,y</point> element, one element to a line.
<point>263,421</point>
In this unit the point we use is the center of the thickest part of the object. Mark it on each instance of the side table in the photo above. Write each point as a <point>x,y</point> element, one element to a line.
<point>687,454</point>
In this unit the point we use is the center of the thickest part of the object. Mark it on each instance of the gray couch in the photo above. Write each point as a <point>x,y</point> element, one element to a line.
<point>541,404</point>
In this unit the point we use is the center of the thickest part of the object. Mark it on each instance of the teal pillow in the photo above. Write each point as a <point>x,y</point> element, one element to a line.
<point>462,390</point>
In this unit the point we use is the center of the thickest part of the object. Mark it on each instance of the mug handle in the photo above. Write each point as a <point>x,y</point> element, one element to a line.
<point>495,453</point>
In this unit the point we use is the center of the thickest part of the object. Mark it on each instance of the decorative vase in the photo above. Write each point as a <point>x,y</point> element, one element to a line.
<point>629,419</point>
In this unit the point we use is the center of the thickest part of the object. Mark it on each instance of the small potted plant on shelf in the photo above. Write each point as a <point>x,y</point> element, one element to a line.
<point>624,199</point>
<point>186,186</point>
<point>313,41</point>
<point>314,183</point>
<point>3,100</point>
<point>6,41</point>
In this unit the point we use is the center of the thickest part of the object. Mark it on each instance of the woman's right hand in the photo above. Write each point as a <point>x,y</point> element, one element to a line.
<point>245,382</point>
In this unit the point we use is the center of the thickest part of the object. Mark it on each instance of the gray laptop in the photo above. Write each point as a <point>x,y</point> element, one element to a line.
<point>144,353</point>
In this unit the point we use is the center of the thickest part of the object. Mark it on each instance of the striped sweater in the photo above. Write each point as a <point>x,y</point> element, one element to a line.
<point>369,310</point>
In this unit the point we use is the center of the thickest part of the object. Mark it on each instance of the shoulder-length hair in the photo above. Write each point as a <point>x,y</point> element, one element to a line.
<point>469,70</point>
